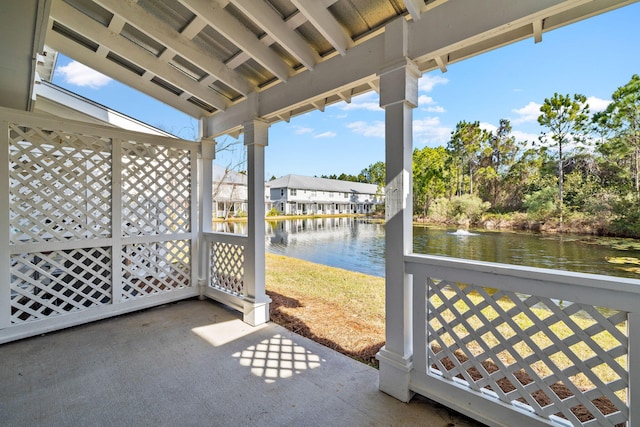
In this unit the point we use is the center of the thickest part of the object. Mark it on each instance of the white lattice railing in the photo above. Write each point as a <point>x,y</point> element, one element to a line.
<point>225,267</point>
<point>100,221</point>
<point>513,345</point>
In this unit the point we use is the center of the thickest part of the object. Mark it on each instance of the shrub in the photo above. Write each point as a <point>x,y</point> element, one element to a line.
<point>541,204</point>
<point>274,212</point>
<point>468,208</point>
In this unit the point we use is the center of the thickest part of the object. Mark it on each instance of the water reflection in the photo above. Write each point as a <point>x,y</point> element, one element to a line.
<point>358,245</point>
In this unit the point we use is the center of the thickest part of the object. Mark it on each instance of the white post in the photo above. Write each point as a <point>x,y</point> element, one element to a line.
<point>398,96</point>
<point>208,154</point>
<point>256,301</point>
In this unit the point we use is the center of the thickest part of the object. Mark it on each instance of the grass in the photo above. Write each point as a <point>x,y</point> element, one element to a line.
<point>341,309</point>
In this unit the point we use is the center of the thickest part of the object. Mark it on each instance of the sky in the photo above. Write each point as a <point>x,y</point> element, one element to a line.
<point>592,57</point>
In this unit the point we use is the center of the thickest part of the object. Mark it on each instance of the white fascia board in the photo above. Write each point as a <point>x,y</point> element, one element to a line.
<point>459,24</point>
<point>63,99</point>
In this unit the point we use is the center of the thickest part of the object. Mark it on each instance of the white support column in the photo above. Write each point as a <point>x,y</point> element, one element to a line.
<point>398,96</point>
<point>207,155</point>
<point>256,301</point>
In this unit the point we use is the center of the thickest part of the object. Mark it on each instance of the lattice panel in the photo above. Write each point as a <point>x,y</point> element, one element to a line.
<point>156,193</point>
<point>60,186</point>
<point>46,284</point>
<point>555,358</point>
<point>227,267</point>
<point>153,268</point>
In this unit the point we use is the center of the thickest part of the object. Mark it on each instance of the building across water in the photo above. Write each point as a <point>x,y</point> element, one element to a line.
<point>305,195</point>
<point>295,195</point>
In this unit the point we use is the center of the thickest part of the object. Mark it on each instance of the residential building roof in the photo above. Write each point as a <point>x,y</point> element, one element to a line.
<point>323,184</point>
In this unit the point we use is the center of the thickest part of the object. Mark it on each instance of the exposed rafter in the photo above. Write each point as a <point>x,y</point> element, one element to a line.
<point>96,61</point>
<point>158,30</point>
<point>227,25</point>
<point>414,7</point>
<point>325,23</point>
<point>110,41</point>
<point>537,30</point>
<point>284,35</point>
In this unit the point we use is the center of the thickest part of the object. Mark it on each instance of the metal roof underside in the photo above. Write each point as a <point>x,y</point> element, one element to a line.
<point>229,60</point>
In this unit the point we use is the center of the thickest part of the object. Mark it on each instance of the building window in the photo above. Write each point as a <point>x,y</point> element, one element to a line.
<point>346,195</point>
<point>281,192</point>
<point>294,192</point>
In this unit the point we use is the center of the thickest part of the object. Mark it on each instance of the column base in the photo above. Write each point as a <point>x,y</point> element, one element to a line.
<point>395,375</point>
<point>255,313</point>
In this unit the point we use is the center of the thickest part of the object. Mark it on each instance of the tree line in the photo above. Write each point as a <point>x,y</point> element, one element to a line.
<point>583,169</point>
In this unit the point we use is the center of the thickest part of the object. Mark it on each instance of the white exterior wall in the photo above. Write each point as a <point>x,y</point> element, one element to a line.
<point>300,202</point>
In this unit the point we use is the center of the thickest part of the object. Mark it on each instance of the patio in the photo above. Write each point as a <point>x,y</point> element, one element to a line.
<point>194,363</point>
<point>99,222</point>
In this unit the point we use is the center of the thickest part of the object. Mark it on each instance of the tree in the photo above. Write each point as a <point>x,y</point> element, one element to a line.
<point>622,117</point>
<point>464,148</point>
<point>375,174</point>
<point>567,119</point>
<point>498,154</point>
<point>429,166</point>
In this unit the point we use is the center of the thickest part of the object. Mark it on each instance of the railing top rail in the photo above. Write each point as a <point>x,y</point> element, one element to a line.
<point>614,292</point>
<point>231,238</point>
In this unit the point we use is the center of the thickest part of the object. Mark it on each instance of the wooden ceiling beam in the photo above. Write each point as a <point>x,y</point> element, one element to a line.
<point>320,17</point>
<point>234,31</point>
<point>263,15</point>
<point>161,32</point>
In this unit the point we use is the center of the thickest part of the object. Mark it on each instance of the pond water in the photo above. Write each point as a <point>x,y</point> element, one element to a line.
<point>358,245</point>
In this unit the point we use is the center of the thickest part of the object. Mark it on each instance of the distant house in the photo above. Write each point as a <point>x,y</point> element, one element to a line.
<point>229,193</point>
<point>304,195</point>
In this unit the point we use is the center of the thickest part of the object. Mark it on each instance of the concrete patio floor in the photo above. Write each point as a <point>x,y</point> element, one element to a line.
<point>194,363</point>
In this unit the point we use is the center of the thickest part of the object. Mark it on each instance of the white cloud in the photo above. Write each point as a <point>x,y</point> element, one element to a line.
<point>429,105</point>
<point>328,134</point>
<point>374,129</point>
<point>435,109</point>
<point>429,131</point>
<point>521,136</point>
<point>81,75</point>
<point>528,113</point>
<point>427,82</point>
<point>488,127</point>
<point>368,101</point>
<point>301,130</point>
<point>596,104</point>
<point>425,100</point>
<point>369,106</point>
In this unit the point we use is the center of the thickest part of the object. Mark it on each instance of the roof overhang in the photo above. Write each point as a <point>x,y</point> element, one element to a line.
<point>230,61</point>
